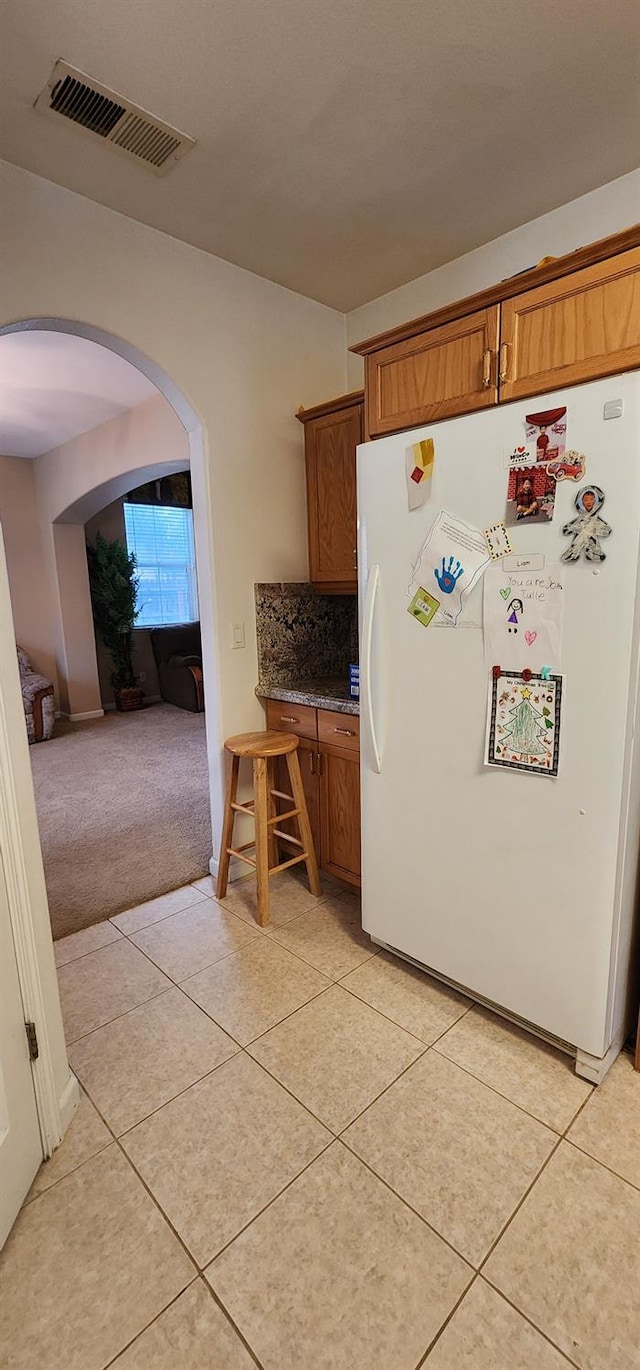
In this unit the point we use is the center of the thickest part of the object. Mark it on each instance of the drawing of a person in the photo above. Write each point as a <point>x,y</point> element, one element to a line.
<point>526,503</point>
<point>514,608</point>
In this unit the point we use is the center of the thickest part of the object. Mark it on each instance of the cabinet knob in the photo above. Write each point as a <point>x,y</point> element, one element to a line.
<point>486,368</point>
<point>504,361</point>
<point>355,558</point>
<point>346,732</point>
<point>288,718</point>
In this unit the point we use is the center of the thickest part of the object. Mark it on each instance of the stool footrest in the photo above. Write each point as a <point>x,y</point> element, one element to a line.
<point>280,817</point>
<point>284,864</point>
<point>240,854</point>
<point>287,837</point>
<point>280,794</point>
<point>245,808</point>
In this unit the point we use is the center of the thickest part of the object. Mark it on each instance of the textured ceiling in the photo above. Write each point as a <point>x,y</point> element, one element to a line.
<point>54,386</point>
<point>347,146</point>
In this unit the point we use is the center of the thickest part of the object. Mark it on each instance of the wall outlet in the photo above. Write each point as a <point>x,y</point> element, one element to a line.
<point>237,635</point>
<point>142,675</point>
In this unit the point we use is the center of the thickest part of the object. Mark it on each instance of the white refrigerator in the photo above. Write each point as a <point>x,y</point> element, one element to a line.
<point>518,888</point>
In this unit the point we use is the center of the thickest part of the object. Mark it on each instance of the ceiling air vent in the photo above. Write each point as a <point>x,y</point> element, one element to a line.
<point>130,130</point>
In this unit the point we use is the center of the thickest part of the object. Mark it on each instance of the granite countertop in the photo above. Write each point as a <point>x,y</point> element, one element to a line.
<point>321,692</point>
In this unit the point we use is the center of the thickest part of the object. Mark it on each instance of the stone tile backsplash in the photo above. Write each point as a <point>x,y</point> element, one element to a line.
<point>302,634</point>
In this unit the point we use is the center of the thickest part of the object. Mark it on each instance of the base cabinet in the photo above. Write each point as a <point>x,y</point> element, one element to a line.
<point>331,780</point>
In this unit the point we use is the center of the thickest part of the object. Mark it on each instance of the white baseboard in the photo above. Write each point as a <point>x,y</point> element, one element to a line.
<point>237,869</point>
<point>83,718</point>
<point>68,1102</point>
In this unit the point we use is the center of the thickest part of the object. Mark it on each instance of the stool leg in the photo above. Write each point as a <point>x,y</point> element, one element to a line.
<point>272,811</point>
<point>227,826</point>
<point>260,784</point>
<point>304,826</point>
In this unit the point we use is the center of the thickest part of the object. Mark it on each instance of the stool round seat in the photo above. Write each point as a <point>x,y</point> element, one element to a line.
<point>265,744</point>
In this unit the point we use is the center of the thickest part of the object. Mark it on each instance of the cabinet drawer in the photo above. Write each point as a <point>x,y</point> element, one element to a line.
<point>292,718</point>
<point>343,730</point>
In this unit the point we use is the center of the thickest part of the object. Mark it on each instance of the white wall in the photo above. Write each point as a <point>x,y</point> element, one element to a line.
<point>244,351</point>
<point>607,210</point>
<point>32,601</point>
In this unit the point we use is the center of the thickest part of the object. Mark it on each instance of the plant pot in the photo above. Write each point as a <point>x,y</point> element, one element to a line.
<point>128,699</point>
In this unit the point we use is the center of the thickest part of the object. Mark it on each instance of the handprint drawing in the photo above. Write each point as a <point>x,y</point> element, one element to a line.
<point>449,575</point>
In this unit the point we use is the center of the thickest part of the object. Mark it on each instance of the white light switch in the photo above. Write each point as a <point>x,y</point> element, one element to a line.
<point>613,409</point>
<point>237,635</point>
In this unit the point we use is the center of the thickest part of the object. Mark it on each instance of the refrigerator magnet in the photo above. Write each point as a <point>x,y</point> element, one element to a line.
<point>588,528</point>
<point>497,540</point>
<point>423,607</point>
<point>419,460</point>
<point>547,432</point>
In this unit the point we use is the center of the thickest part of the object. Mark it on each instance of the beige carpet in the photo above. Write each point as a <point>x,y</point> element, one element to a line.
<point>123,805</point>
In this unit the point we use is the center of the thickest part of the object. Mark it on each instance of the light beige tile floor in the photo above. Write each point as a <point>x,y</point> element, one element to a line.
<point>309,1154</point>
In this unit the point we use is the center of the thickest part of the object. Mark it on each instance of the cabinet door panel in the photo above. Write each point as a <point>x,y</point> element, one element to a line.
<point>340,801</point>
<point>309,770</point>
<point>330,451</point>
<point>578,328</point>
<point>447,371</point>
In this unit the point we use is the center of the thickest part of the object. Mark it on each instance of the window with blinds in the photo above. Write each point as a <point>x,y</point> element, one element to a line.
<point>161,537</point>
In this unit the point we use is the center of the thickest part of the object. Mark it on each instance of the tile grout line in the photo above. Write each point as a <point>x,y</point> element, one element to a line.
<point>479,1270</point>
<point>144,1329</point>
<point>449,1318</point>
<point>596,1159</point>
<point>520,1107</point>
<point>198,1269</point>
<point>507,1225</point>
<point>164,990</point>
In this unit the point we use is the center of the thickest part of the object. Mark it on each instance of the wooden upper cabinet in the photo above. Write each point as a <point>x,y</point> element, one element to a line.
<point>567,320</point>
<point>446,371</point>
<point>331,435</point>
<point>575,329</point>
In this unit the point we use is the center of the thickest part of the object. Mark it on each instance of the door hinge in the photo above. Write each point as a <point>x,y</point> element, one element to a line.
<point>32,1041</point>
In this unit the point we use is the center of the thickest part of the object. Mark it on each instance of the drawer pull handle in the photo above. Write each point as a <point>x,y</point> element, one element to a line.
<point>347,732</point>
<point>504,360</point>
<point>288,718</point>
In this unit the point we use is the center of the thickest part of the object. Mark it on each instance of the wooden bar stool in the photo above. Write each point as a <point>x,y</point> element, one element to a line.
<point>262,749</point>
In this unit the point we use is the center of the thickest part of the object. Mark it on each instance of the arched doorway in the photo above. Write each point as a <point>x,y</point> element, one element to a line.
<point>197,448</point>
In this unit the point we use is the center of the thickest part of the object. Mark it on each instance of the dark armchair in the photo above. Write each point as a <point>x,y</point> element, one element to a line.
<point>178,657</point>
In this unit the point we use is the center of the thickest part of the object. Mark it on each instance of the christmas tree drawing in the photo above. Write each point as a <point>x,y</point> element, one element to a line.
<point>525,734</point>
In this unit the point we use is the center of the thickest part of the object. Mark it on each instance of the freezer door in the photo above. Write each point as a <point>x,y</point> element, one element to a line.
<point>506,883</point>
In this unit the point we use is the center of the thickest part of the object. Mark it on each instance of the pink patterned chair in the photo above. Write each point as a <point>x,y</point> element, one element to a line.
<point>37,697</point>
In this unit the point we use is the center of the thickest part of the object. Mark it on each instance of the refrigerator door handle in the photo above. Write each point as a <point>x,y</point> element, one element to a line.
<point>367,634</point>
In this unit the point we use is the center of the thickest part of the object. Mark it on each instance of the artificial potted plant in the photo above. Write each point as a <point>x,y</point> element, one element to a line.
<point>114,590</point>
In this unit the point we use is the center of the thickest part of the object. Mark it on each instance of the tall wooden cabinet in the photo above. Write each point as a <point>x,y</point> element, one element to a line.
<point>331,434</point>
<point>572,319</point>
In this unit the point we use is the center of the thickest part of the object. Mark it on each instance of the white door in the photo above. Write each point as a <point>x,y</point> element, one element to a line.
<point>20,1145</point>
